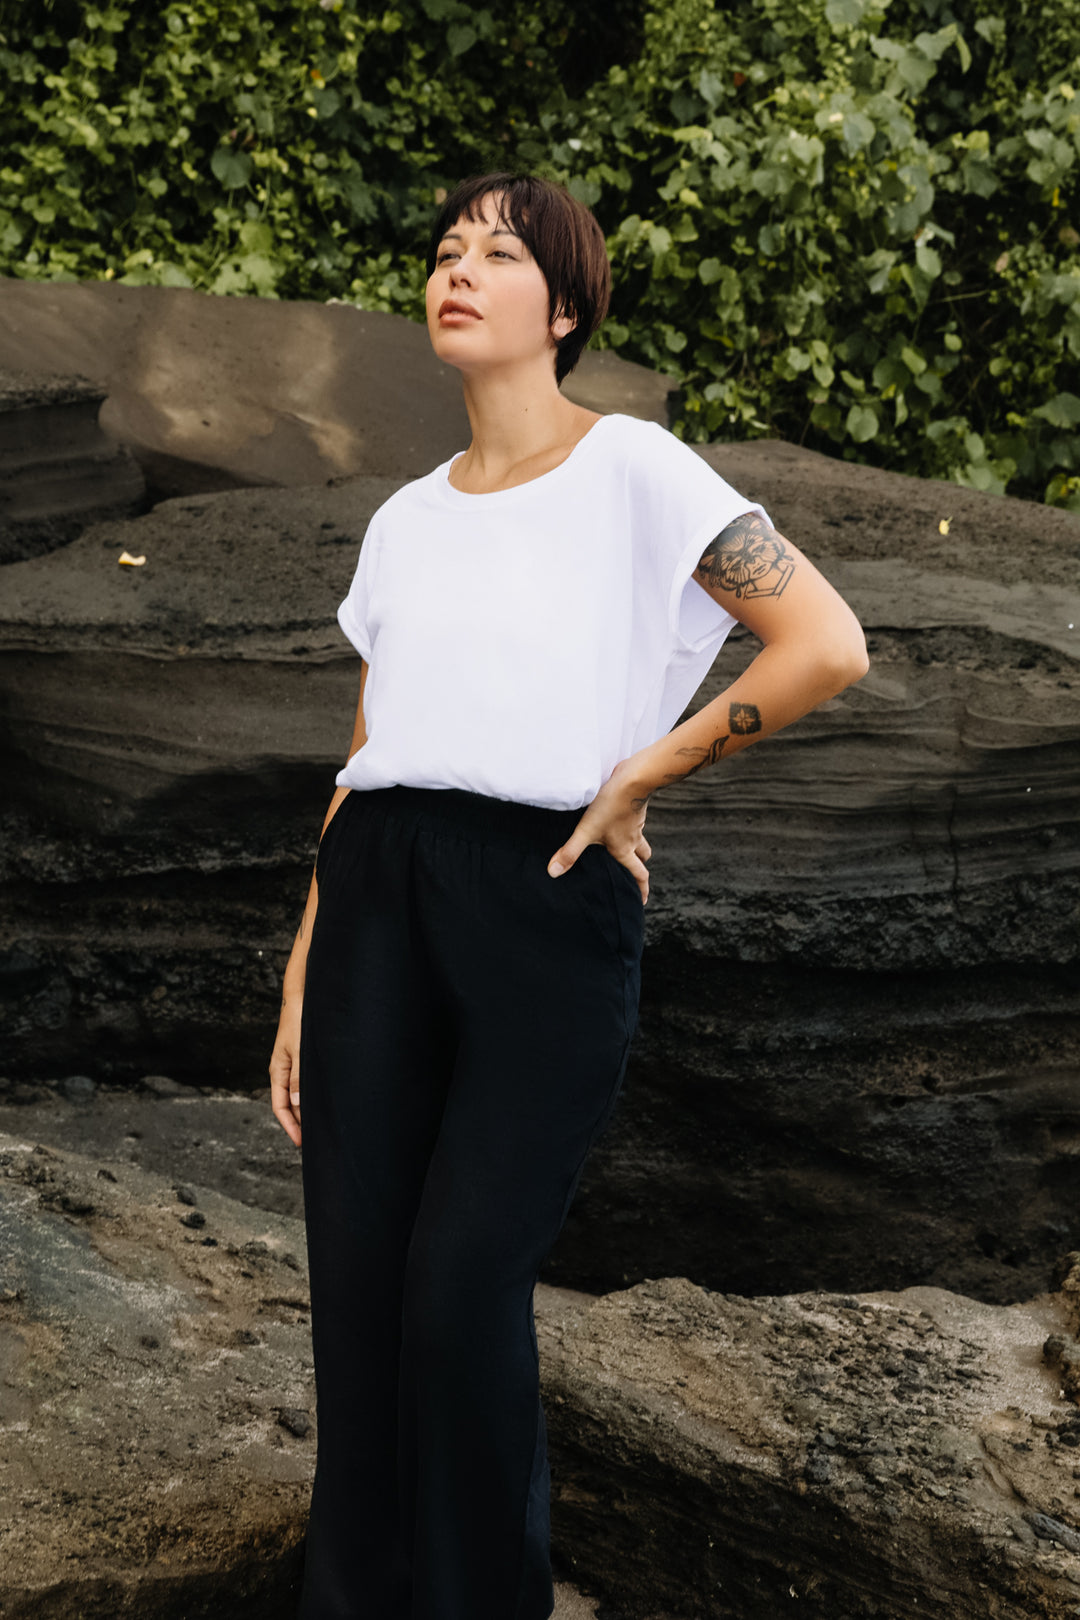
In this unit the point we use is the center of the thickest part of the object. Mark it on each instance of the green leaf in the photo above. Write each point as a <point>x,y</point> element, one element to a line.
<point>771,240</point>
<point>845,13</point>
<point>233,169</point>
<point>861,423</point>
<point>1062,411</point>
<point>891,372</point>
<point>859,131</point>
<point>913,360</point>
<point>709,270</point>
<point>584,189</point>
<point>710,86</point>
<point>459,37</point>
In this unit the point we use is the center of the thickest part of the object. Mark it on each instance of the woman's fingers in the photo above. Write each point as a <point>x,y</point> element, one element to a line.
<point>285,1092</point>
<point>641,878</point>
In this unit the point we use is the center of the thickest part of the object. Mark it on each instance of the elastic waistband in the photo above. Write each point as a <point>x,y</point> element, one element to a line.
<point>476,815</point>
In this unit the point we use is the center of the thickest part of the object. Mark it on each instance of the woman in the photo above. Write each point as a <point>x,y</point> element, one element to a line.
<point>532,618</point>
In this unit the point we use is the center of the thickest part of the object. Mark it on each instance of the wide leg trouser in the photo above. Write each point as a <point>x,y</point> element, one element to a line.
<point>465,1033</point>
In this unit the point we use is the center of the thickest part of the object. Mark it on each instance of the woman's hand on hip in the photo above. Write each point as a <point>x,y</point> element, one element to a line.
<point>616,819</point>
<point>285,1066</point>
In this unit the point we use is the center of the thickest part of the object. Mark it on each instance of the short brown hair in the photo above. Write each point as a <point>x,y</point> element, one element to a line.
<point>563,237</point>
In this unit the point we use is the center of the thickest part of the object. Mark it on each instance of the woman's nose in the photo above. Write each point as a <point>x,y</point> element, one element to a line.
<point>461,272</point>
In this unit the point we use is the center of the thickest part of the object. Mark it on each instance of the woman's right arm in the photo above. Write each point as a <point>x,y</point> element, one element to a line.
<point>285,1059</point>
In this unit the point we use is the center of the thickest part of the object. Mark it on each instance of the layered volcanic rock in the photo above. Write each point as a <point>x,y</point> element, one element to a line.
<point>856,1064</point>
<point>210,392</point>
<point>58,470</point>
<point>881,1456</point>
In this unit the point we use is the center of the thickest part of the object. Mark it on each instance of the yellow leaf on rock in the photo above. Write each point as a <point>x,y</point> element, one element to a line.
<point>943,526</point>
<point>129,561</point>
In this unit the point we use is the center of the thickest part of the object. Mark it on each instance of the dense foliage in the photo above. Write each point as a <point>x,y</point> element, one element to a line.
<point>851,223</point>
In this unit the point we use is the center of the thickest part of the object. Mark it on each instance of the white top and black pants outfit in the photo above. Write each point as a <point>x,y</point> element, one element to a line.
<point>467,1018</point>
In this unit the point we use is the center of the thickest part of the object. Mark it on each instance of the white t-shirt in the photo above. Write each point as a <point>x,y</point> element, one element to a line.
<point>521,643</point>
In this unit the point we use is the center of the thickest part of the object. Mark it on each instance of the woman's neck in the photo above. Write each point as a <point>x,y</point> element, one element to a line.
<point>521,427</point>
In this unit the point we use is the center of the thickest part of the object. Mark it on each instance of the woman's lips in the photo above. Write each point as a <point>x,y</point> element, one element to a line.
<point>456,317</point>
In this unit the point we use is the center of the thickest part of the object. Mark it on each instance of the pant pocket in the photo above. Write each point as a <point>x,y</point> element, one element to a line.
<point>598,896</point>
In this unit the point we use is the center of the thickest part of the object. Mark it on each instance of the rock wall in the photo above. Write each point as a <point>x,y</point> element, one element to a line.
<point>857,1058</point>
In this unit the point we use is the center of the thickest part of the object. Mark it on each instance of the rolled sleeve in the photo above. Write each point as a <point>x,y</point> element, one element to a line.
<point>354,614</point>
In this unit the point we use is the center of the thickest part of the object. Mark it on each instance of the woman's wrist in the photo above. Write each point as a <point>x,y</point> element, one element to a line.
<point>636,777</point>
<point>292,983</point>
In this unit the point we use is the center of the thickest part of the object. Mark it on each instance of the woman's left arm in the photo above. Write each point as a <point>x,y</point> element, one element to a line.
<point>813,646</point>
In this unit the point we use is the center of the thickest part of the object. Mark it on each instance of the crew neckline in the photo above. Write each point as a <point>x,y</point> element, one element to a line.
<point>469,497</point>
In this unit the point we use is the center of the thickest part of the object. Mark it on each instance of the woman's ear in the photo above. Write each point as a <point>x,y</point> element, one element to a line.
<point>562,326</point>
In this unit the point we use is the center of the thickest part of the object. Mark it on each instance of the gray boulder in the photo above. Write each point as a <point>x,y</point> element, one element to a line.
<point>880,1455</point>
<point>211,393</point>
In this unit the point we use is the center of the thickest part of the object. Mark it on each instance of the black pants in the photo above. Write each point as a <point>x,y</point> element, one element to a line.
<point>466,1026</point>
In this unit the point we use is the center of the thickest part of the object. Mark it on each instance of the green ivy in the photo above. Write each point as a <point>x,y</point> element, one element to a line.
<point>848,223</point>
<point>837,226</point>
<point>288,148</point>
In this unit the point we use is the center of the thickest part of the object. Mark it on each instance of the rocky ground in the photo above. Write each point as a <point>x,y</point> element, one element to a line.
<point>873,1455</point>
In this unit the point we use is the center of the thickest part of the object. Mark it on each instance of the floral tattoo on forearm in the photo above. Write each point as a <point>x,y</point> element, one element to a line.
<point>748,558</point>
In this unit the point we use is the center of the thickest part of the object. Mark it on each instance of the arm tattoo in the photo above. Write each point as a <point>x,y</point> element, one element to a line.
<point>744,719</point>
<point>748,558</point>
<point>708,756</point>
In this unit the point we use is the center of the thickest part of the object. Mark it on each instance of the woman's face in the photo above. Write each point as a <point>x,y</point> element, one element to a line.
<point>487,299</point>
